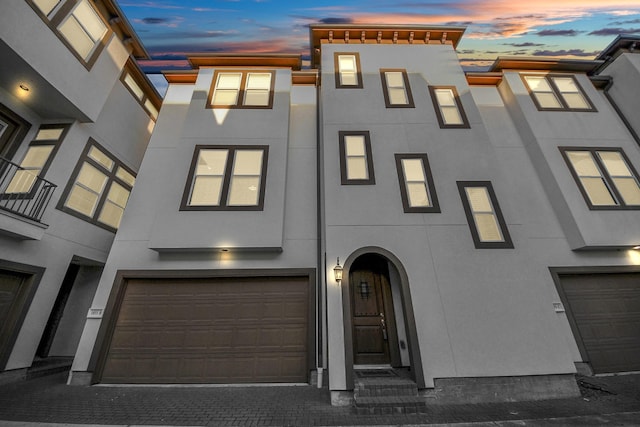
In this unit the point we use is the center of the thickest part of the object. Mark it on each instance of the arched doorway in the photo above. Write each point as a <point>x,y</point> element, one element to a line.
<point>379,325</point>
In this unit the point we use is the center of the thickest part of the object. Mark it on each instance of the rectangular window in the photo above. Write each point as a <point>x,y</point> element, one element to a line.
<point>416,183</point>
<point>77,23</point>
<point>606,178</point>
<point>347,70</point>
<point>448,107</point>
<point>37,159</point>
<point>557,92</point>
<point>127,78</point>
<point>242,89</point>
<point>99,188</point>
<point>487,225</point>
<point>356,162</point>
<point>396,89</point>
<point>226,178</point>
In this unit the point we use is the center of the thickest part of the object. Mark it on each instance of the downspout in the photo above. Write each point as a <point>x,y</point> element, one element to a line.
<point>605,90</point>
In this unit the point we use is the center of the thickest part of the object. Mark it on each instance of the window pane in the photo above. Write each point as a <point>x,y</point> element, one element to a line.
<point>101,158</point>
<point>565,84</point>
<point>229,81</point>
<point>46,6</point>
<point>418,195</point>
<point>77,37</point>
<point>394,79</point>
<point>82,200</point>
<point>398,96</point>
<point>247,162</point>
<point>357,168</point>
<point>118,194</point>
<point>49,134</point>
<point>488,229</point>
<point>153,111</point>
<point>598,192</point>
<point>36,156</point>
<point>479,199</point>
<point>628,189</point>
<point>92,178</point>
<point>206,191</point>
<point>225,97</point>
<point>111,214</point>
<point>126,176</point>
<point>614,163</point>
<point>244,191</point>
<point>259,81</point>
<point>451,116</point>
<point>256,97</point>
<point>547,100</point>
<point>413,170</point>
<point>211,162</point>
<point>348,79</point>
<point>445,97</point>
<point>22,182</point>
<point>583,163</point>
<point>90,20</point>
<point>354,145</point>
<point>576,100</point>
<point>347,63</point>
<point>133,85</point>
<point>538,84</point>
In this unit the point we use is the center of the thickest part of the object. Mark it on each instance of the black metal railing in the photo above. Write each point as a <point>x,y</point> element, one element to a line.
<point>22,191</point>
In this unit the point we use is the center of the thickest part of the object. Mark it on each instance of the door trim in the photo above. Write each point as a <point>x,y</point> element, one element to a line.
<point>107,326</point>
<point>26,293</point>
<point>407,310</point>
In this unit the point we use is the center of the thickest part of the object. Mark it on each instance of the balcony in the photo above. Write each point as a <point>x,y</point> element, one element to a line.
<point>24,197</point>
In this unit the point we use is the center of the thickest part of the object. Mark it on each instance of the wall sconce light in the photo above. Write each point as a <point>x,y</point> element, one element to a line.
<point>337,272</point>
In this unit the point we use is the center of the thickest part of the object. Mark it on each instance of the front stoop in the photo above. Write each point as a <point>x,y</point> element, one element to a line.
<point>387,395</point>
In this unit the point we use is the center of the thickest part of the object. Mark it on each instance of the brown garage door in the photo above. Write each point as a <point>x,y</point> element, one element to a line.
<point>240,330</point>
<point>605,309</point>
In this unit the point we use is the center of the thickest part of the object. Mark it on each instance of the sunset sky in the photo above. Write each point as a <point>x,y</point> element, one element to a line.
<point>171,29</point>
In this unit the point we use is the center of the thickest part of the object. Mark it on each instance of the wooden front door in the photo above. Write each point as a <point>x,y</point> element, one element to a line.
<point>373,322</point>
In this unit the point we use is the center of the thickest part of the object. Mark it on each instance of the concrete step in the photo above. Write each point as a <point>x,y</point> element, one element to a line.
<point>385,387</point>
<point>384,405</point>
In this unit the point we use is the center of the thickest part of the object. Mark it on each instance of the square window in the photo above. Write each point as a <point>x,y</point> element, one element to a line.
<point>347,70</point>
<point>486,223</point>
<point>396,89</point>
<point>356,163</point>
<point>416,183</point>
<point>448,107</point>
<point>226,178</point>
<point>557,92</point>
<point>242,89</point>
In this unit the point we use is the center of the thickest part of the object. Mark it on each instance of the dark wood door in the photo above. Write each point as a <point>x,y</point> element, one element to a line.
<point>373,323</point>
<point>11,305</point>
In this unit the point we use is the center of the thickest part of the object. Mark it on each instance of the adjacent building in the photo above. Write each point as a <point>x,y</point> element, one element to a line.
<point>76,114</point>
<point>381,210</point>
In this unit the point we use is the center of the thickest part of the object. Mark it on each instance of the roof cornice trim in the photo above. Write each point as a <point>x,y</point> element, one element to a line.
<point>544,64</point>
<point>292,61</point>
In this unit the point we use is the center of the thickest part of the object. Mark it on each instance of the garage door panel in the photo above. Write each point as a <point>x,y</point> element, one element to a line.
<point>606,311</point>
<point>211,331</point>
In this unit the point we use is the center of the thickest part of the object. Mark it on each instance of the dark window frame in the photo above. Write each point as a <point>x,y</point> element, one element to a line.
<point>14,134</point>
<point>224,191</point>
<point>241,90</point>
<point>436,107</point>
<point>111,177</point>
<point>336,67</point>
<point>605,175</point>
<point>136,76</point>
<point>507,243</point>
<point>407,88</point>
<point>435,205</point>
<point>60,13</point>
<point>557,93</point>
<point>343,159</point>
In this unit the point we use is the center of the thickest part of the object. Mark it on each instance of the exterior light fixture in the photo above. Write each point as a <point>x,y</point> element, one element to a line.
<point>636,248</point>
<point>337,272</point>
<point>24,87</point>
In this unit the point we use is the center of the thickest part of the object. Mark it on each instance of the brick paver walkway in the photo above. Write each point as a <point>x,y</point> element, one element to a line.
<point>50,400</point>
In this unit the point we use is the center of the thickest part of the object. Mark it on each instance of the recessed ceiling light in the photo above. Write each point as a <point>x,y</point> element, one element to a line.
<point>24,87</point>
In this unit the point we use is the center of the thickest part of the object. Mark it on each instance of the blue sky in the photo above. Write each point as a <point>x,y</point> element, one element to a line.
<point>171,29</point>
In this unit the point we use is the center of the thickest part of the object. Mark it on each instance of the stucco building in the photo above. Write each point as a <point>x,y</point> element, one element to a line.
<point>484,223</point>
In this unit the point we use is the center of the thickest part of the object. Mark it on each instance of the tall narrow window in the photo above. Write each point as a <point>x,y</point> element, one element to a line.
<point>99,188</point>
<point>487,225</point>
<point>356,163</point>
<point>448,107</point>
<point>557,92</point>
<point>242,89</point>
<point>226,178</point>
<point>130,77</point>
<point>416,183</point>
<point>395,86</point>
<point>605,177</point>
<point>37,159</point>
<point>347,70</point>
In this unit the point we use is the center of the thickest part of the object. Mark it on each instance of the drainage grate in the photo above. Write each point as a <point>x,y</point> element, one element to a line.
<point>368,373</point>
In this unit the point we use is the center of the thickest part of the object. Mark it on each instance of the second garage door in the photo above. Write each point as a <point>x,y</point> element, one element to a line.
<point>240,330</point>
<point>605,309</point>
